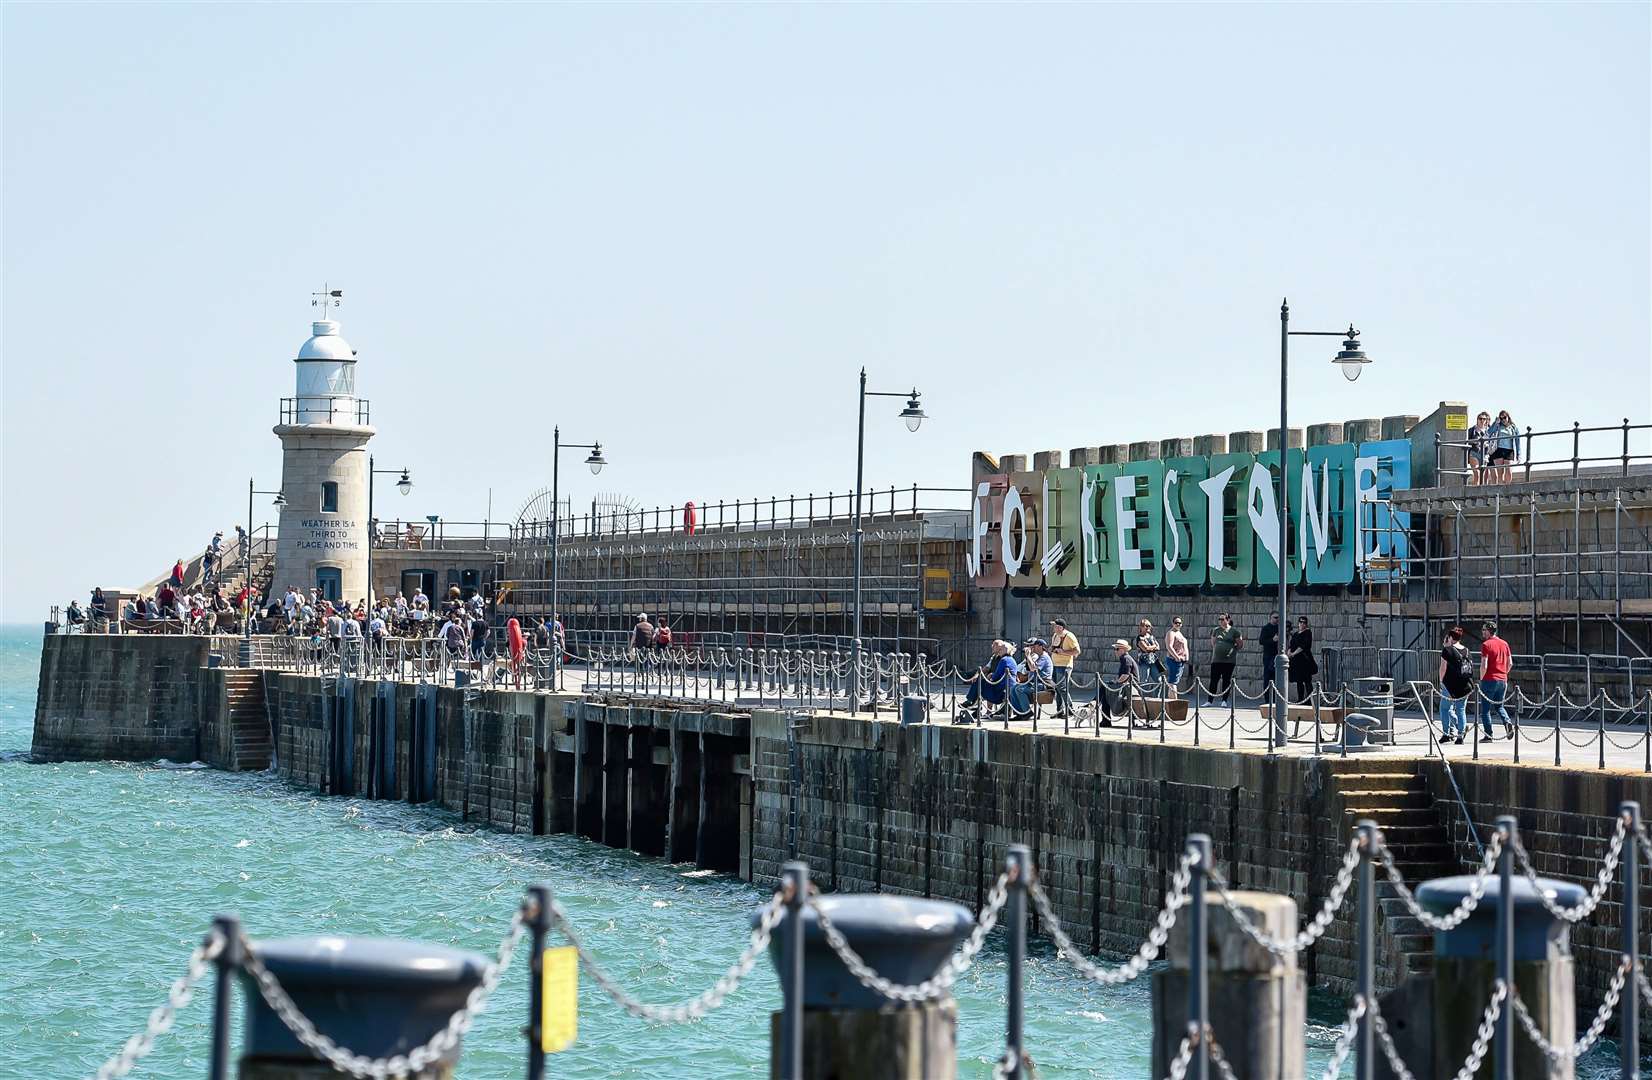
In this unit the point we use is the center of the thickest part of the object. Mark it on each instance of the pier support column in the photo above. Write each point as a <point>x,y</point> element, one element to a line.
<point>848,1031</point>
<point>650,770</point>
<point>616,769</point>
<point>588,739</point>
<point>683,823</point>
<point>1258,1001</point>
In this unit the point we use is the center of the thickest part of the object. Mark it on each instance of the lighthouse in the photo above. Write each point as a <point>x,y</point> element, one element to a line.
<point>324,431</point>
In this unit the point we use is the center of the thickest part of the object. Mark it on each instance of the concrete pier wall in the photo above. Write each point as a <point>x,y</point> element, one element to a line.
<point>128,697</point>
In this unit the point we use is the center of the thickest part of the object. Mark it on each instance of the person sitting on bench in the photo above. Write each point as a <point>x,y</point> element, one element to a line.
<point>991,683</point>
<point>1115,692</point>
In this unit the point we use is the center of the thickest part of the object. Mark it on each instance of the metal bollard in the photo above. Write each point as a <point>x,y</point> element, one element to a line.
<point>1198,954</point>
<point>795,875</point>
<point>1365,1044</point>
<point>1520,941</point>
<point>374,996</point>
<point>1018,866</point>
<point>229,960</point>
<point>851,1031</point>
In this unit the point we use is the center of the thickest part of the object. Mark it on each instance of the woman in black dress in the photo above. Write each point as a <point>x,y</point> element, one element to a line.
<point>1303,667</point>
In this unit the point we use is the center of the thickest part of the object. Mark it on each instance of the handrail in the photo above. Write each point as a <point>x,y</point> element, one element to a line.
<point>1577,459</point>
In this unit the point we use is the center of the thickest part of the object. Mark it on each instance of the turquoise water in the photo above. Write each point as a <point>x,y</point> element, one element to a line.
<point>113,871</point>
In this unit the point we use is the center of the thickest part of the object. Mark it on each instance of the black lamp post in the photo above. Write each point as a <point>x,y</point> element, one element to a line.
<point>596,461</point>
<point>246,561</point>
<point>404,485</point>
<point>914,416</point>
<point>1351,360</point>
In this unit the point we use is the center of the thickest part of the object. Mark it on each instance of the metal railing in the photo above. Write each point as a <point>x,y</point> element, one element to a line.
<point>1581,458</point>
<point>1361,1034</point>
<point>325,409</point>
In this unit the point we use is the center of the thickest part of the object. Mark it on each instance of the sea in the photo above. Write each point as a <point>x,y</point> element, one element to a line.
<point>110,872</point>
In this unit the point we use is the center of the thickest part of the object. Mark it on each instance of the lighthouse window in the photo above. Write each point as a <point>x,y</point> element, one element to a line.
<point>329,497</point>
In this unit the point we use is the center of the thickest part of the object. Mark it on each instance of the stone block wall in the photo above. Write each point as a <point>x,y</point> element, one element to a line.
<point>132,697</point>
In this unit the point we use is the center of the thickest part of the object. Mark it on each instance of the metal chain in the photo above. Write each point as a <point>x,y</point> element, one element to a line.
<point>1216,1055</point>
<point>1322,920</point>
<point>1645,984</point>
<point>1603,878</point>
<point>1464,907</point>
<point>1345,1039</point>
<point>1477,1052</point>
<point>411,1063</point>
<point>1184,1056</point>
<point>1006,1061</point>
<point>1149,950</point>
<point>1562,1055</point>
<point>695,1007</point>
<point>160,1020</point>
<point>934,986</point>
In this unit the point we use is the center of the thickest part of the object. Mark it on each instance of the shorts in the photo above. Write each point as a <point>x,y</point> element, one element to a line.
<point>1502,456</point>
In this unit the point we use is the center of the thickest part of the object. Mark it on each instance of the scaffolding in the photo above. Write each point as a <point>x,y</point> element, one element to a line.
<point>751,573</point>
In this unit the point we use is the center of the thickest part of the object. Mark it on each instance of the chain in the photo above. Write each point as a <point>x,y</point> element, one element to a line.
<point>1476,1053</point>
<point>412,1063</point>
<point>1322,920</point>
<point>1184,1056</point>
<point>695,1007</point>
<point>1149,950</point>
<point>1645,984</point>
<point>1603,878</point>
<point>1345,1039</point>
<point>1645,842</point>
<point>1217,1056</point>
<point>1006,1062</point>
<point>160,1020</point>
<point>937,984</point>
<point>1446,922</point>
<point>1562,1055</point>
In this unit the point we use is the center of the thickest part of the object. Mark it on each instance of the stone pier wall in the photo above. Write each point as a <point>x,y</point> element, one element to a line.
<point>126,697</point>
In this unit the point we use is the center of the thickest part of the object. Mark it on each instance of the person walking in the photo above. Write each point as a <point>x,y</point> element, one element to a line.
<point>1495,661</point>
<point>1175,656</point>
<point>642,635</point>
<point>1456,681</point>
<point>1225,643</point>
<point>518,647</point>
<point>1064,650</point>
<point>1299,658</point>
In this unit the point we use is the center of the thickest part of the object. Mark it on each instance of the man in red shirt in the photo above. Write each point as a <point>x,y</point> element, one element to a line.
<point>1495,661</point>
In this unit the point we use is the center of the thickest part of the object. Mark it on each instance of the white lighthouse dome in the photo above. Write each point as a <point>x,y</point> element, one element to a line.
<point>326,344</point>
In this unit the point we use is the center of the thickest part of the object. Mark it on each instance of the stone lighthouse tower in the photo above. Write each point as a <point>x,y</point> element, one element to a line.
<point>324,431</point>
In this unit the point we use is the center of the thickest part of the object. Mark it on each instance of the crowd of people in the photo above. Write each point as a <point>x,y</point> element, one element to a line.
<point>1142,664</point>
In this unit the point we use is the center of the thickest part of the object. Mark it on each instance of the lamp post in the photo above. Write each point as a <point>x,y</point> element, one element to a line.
<point>914,415</point>
<point>1351,360</point>
<point>596,461</point>
<point>404,485</point>
<point>246,561</point>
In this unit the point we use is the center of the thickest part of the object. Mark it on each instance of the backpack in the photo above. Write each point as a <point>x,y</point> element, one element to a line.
<point>1458,672</point>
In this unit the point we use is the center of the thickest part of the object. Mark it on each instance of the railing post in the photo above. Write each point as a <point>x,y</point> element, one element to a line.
<point>539,923</point>
<point>1503,1061</point>
<point>794,878</point>
<point>1576,436</point>
<point>1018,867</point>
<point>1198,982</point>
<point>229,961</point>
<point>1629,1019</point>
<point>1365,1046</point>
<point>1626,451</point>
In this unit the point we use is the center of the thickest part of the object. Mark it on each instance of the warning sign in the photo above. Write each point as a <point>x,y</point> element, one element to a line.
<point>1456,421</point>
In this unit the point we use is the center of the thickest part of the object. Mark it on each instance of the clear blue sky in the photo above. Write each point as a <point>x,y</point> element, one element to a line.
<point>682,229</point>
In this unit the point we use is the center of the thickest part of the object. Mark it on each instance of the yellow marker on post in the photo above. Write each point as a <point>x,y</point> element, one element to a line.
<point>559,998</point>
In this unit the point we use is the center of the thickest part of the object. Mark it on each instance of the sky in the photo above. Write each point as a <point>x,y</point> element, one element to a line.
<point>682,229</point>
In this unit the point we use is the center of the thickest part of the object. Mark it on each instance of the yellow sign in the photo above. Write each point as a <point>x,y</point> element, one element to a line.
<point>1456,421</point>
<point>559,997</point>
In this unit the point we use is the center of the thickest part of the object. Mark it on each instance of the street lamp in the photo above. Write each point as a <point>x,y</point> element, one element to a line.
<point>596,461</point>
<point>914,416</point>
<point>246,563</point>
<point>403,485</point>
<point>1351,360</point>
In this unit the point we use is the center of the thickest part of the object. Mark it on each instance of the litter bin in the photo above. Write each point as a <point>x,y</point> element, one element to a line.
<point>1376,699</point>
<point>914,709</point>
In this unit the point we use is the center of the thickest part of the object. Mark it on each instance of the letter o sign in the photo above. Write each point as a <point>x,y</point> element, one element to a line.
<point>1013,532</point>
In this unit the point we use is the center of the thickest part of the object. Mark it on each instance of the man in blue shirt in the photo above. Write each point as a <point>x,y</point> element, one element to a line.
<point>991,683</point>
<point>1040,675</point>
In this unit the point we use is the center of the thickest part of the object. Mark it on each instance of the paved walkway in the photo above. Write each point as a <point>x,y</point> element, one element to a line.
<point>1580,741</point>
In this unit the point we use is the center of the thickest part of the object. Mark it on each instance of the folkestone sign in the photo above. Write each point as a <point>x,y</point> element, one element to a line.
<point>1194,522</point>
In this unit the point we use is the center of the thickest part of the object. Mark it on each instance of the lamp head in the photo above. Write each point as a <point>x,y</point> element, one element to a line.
<point>596,461</point>
<point>405,484</point>
<point>279,500</point>
<point>913,414</point>
<point>1352,358</point>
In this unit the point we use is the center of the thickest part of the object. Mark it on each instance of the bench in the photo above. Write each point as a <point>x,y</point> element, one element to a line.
<point>1151,708</point>
<point>1304,714</point>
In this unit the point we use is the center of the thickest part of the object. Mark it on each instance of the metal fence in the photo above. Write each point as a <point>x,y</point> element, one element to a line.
<point>1590,447</point>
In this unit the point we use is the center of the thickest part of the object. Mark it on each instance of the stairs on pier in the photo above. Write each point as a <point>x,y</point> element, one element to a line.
<point>1396,797</point>
<point>249,721</point>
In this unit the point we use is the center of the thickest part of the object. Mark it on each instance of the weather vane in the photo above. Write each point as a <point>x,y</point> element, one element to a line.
<point>327,293</point>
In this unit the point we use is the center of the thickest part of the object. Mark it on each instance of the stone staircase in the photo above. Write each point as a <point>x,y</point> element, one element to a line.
<point>249,721</point>
<point>1396,797</point>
